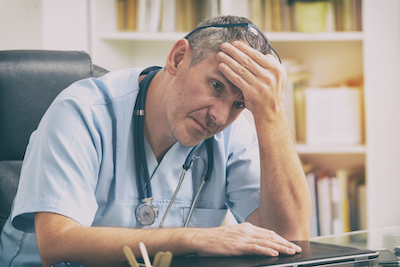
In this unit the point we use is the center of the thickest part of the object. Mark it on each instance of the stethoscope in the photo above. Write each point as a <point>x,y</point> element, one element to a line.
<point>147,213</point>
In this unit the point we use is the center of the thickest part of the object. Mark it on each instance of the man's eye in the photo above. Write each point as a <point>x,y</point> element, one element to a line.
<point>238,104</point>
<point>217,86</point>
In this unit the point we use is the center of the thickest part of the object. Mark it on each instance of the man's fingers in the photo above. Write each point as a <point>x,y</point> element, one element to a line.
<point>240,63</point>
<point>271,239</point>
<point>282,249</point>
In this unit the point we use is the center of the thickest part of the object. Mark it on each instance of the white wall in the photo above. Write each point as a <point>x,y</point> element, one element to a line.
<point>65,25</point>
<point>44,24</point>
<point>20,24</point>
<point>382,97</point>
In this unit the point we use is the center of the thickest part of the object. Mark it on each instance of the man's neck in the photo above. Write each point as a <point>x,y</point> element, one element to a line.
<point>156,129</point>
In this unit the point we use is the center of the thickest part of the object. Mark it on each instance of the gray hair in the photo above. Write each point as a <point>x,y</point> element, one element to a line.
<point>207,42</point>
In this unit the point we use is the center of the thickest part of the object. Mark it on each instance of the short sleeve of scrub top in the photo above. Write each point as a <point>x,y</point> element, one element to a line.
<point>242,169</point>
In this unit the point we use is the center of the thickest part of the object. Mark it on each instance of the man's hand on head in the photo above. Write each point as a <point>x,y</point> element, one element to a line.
<point>261,78</point>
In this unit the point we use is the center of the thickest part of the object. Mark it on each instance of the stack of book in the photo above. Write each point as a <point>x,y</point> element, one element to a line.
<point>338,200</point>
<point>164,15</point>
<point>269,15</point>
<point>327,115</point>
<point>306,16</point>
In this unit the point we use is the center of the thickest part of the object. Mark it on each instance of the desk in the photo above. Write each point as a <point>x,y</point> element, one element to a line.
<point>380,238</point>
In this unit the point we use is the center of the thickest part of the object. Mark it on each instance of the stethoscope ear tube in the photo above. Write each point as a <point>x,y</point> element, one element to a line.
<point>210,152</point>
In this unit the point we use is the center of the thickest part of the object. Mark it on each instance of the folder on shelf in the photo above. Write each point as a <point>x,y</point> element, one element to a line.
<point>333,116</point>
<point>297,79</point>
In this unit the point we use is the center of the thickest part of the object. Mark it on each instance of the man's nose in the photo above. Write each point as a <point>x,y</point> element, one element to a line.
<point>219,112</point>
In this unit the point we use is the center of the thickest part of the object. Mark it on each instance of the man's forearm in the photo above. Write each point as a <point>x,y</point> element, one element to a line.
<point>285,204</point>
<point>102,246</point>
<point>62,239</point>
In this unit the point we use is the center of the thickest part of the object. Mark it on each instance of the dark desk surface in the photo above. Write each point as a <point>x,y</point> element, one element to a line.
<point>312,252</point>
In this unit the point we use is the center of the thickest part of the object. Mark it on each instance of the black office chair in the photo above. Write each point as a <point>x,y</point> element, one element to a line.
<point>29,82</point>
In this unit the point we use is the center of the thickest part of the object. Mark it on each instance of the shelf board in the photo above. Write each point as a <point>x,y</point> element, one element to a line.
<point>326,149</point>
<point>272,36</point>
<point>141,36</point>
<point>320,36</point>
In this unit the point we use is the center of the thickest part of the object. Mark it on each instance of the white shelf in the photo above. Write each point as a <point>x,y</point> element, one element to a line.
<point>272,36</point>
<point>312,37</point>
<point>142,36</point>
<point>327,149</point>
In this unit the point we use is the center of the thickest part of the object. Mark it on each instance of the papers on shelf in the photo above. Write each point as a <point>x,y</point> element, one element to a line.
<point>333,116</point>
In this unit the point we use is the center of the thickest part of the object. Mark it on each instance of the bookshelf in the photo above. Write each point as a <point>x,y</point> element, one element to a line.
<point>272,36</point>
<point>331,57</point>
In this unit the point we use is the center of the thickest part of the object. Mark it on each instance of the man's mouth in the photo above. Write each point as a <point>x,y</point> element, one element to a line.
<point>202,127</point>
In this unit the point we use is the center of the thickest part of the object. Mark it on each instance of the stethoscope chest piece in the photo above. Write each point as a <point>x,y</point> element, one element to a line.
<point>147,213</point>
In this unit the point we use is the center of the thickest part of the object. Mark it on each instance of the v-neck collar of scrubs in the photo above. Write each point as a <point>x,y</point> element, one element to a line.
<point>167,171</point>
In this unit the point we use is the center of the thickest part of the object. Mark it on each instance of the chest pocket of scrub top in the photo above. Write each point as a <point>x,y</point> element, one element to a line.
<point>205,217</point>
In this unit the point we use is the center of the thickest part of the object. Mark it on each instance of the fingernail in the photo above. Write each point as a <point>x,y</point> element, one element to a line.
<point>291,251</point>
<point>224,46</point>
<point>220,55</point>
<point>275,253</point>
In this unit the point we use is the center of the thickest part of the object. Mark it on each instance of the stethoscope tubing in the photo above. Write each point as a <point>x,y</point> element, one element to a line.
<point>140,155</point>
<point>189,159</point>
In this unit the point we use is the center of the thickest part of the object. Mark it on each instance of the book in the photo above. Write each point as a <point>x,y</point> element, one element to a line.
<point>300,115</point>
<point>337,224</point>
<point>121,16</point>
<point>149,15</point>
<point>208,9</point>
<point>348,15</point>
<point>356,185</point>
<point>345,176</point>
<point>333,116</point>
<point>311,16</point>
<point>276,16</point>
<point>235,7</point>
<point>267,23</point>
<point>131,15</point>
<point>298,78</point>
<point>256,12</point>
<point>168,16</point>
<point>330,17</point>
<point>361,206</point>
<point>338,202</point>
<point>188,15</point>
<point>314,219</point>
<point>324,203</point>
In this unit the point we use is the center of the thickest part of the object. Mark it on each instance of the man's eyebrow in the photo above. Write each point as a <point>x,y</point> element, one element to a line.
<point>233,88</point>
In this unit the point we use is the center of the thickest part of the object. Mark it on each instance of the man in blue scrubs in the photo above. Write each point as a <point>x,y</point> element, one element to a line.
<point>78,192</point>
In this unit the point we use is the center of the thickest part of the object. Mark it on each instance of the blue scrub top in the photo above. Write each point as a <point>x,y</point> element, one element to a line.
<point>80,163</point>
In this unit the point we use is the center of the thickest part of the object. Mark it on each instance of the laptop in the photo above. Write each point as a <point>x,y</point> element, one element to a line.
<point>313,254</point>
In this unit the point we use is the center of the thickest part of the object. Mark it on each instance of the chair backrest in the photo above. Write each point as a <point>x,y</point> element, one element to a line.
<point>29,82</point>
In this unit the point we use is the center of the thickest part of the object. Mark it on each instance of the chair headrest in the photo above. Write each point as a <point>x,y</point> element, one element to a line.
<point>29,82</point>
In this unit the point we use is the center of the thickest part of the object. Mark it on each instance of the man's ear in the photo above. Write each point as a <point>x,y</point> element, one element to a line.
<point>179,54</point>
